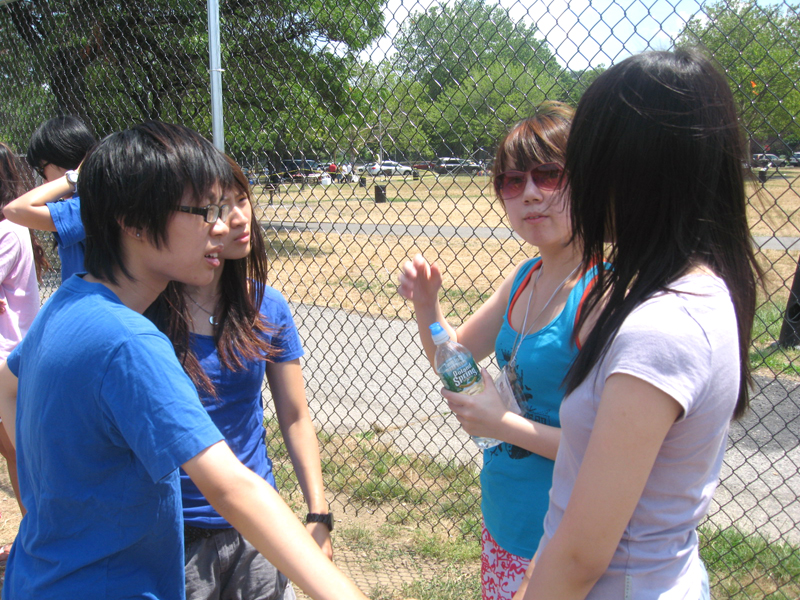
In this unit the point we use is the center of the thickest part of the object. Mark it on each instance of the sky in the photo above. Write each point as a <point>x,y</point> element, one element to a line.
<point>581,33</point>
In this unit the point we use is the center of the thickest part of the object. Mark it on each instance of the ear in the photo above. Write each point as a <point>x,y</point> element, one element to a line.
<point>133,232</point>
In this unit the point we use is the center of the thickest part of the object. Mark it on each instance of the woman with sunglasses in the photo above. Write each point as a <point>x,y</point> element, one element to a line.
<point>227,335</point>
<point>528,322</point>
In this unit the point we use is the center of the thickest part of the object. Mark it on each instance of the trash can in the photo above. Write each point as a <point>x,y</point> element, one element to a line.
<point>380,193</point>
<point>762,175</point>
<point>415,175</point>
<point>362,182</point>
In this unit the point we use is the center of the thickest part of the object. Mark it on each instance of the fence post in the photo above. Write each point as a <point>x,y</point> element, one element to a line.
<point>215,67</point>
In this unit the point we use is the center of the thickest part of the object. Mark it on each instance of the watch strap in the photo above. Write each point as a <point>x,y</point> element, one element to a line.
<point>326,519</point>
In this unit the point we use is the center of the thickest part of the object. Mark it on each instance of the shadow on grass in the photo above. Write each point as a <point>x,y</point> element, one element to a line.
<point>283,245</point>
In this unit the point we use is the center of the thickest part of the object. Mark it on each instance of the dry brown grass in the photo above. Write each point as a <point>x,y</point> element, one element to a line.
<point>773,207</point>
<point>359,272</point>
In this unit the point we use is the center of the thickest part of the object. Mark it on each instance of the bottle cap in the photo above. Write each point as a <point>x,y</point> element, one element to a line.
<point>439,334</point>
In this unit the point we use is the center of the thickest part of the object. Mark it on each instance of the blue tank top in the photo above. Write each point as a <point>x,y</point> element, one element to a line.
<point>515,483</point>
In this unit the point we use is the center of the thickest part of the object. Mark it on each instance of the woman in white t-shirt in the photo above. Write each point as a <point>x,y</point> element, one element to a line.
<point>654,163</point>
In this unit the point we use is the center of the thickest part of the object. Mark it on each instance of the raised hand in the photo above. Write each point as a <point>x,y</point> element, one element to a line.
<point>420,281</point>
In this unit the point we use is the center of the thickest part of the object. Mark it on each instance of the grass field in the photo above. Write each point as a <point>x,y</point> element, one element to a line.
<point>359,271</point>
<point>422,519</point>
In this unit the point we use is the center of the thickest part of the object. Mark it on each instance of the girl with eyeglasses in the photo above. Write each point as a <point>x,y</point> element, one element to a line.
<point>227,334</point>
<point>102,412</point>
<point>657,188</point>
<point>528,323</point>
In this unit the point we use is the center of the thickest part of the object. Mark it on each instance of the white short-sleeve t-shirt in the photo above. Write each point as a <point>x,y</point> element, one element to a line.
<point>684,342</point>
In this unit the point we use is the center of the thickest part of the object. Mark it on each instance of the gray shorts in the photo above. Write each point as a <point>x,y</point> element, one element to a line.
<point>226,566</point>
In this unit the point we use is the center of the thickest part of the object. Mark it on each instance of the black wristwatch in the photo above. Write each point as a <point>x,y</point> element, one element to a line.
<point>327,519</point>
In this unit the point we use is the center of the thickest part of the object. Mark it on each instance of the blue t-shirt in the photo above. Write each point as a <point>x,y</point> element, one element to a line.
<point>238,409</point>
<point>105,416</point>
<point>70,235</point>
<point>515,482</point>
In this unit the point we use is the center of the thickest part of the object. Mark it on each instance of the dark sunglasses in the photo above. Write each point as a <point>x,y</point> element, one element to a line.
<point>40,169</point>
<point>547,177</point>
<point>210,213</point>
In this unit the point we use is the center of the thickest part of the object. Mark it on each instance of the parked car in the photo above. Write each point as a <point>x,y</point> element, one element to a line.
<point>767,160</point>
<point>794,160</point>
<point>296,169</point>
<point>449,165</point>
<point>426,165</point>
<point>389,167</point>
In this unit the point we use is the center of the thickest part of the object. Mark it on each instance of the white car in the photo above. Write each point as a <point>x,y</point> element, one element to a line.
<point>389,167</point>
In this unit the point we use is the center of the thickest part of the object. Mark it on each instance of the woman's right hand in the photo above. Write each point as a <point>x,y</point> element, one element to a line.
<point>420,281</point>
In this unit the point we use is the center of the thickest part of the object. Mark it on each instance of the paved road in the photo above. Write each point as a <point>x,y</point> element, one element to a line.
<point>446,231</point>
<point>366,373</point>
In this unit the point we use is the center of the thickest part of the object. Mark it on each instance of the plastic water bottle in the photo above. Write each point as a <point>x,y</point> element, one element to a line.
<point>459,373</point>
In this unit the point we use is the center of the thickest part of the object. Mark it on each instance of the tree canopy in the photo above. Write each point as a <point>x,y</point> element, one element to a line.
<point>440,46</point>
<point>114,62</point>
<point>758,47</point>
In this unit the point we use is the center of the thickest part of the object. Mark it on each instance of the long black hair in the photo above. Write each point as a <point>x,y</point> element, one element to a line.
<point>241,332</point>
<point>16,179</point>
<point>655,167</point>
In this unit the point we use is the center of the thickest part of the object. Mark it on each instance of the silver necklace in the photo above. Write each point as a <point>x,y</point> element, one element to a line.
<point>524,332</point>
<point>211,318</point>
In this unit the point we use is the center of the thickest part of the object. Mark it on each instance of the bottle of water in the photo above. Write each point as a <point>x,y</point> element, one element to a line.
<point>459,373</point>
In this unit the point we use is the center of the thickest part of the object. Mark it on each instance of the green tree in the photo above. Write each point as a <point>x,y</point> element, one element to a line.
<point>440,46</point>
<point>114,62</point>
<point>758,47</point>
<point>475,114</point>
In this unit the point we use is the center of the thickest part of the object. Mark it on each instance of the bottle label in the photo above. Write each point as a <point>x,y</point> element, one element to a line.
<point>458,373</point>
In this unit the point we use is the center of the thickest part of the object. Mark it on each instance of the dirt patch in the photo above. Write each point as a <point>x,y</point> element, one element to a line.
<point>10,515</point>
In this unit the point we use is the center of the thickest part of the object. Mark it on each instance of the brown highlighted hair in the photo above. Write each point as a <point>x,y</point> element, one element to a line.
<point>540,138</point>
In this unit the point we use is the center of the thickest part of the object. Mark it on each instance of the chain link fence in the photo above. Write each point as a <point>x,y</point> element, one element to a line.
<point>367,129</point>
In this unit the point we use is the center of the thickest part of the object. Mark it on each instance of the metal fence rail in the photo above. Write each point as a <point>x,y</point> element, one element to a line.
<point>367,84</point>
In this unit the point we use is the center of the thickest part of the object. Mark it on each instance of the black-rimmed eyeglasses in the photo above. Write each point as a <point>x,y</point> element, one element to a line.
<point>210,213</point>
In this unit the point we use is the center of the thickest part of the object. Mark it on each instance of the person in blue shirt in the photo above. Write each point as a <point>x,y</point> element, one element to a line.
<point>56,149</point>
<point>228,334</point>
<point>101,412</point>
<point>528,323</point>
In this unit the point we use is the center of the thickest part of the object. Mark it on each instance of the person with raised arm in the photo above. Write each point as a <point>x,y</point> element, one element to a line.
<point>103,412</point>
<point>528,322</point>
<point>55,152</point>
